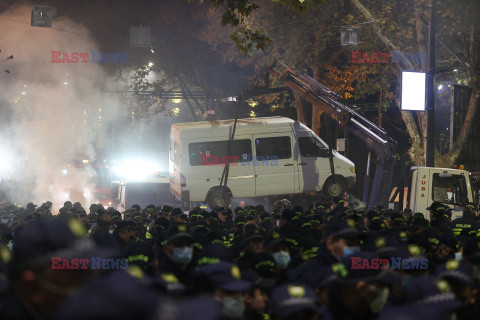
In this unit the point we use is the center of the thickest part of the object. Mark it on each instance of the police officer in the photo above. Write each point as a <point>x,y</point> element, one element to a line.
<point>125,232</point>
<point>178,253</point>
<point>293,301</point>
<point>253,242</point>
<point>340,240</point>
<point>358,293</point>
<point>40,271</point>
<point>227,286</point>
<point>467,222</point>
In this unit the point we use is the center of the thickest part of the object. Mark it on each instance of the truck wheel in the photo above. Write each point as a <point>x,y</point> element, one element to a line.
<point>335,186</point>
<point>219,197</point>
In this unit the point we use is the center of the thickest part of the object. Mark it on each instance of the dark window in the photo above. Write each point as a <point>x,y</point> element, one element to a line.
<point>311,147</point>
<point>451,189</point>
<point>273,148</point>
<point>215,152</point>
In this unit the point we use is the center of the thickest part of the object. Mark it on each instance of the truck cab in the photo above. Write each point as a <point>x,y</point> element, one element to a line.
<point>451,187</point>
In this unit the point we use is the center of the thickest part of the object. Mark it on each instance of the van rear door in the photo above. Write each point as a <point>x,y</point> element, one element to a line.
<point>274,164</point>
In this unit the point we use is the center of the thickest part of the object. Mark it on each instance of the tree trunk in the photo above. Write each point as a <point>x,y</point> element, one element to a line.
<point>300,113</point>
<point>316,116</point>
<point>316,111</point>
<point>417,140</point>
<point>417,150</point>
<point>455,150</point>
<point>422,49</point>
<point>452,156</point>
<point>420,28</point>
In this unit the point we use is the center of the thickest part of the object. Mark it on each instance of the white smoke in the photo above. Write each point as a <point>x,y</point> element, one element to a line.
<point>48,100</point>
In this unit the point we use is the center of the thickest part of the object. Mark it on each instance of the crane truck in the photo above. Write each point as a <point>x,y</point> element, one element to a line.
<point>451,187</point>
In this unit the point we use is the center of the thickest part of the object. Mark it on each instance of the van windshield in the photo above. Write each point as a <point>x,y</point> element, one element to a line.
<point>450,190</point>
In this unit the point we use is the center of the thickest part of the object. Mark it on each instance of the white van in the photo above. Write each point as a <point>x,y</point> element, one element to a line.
<point>268,156</point>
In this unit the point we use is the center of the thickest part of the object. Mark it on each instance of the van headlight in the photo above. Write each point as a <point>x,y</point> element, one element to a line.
<point>352,169</point>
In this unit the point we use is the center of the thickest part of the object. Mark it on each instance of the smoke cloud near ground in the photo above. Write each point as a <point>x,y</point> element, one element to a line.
<point>45,122</point>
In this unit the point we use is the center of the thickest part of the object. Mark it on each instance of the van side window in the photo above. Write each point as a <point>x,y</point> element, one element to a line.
<point>215,152</point>
<point>311,147</point>
<point>451,190</point>
<point>273,148</point>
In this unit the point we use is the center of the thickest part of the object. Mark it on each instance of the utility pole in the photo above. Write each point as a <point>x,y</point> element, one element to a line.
<point>430,139</point>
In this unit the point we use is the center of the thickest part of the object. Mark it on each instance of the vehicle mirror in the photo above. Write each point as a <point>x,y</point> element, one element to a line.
<point>445,175</point>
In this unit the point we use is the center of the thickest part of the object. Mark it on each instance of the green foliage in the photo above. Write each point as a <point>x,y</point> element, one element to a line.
<point>248,40</point>
<point>235,12</point>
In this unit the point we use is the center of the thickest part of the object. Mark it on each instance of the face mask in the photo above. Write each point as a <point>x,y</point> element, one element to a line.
<point>282,258</point>
<point>234,306</point>
<point>347,251</point>
<point>378,304</point>
<point>458,256</point>
<point>182,255</point>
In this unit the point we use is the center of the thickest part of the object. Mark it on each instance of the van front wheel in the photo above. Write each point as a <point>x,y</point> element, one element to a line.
<point>335,186</point>
<point>219,197</point>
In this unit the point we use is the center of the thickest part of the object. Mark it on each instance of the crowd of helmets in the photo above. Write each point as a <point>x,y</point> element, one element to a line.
<point>327,261</point>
